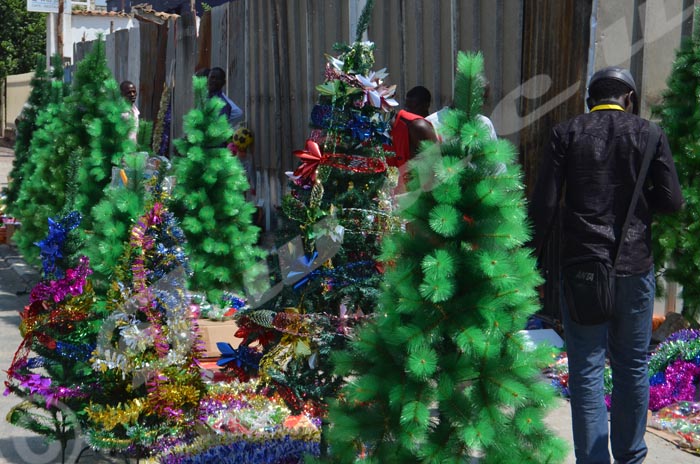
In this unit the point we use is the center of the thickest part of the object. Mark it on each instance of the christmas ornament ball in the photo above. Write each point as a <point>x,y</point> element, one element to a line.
<point>243,138</point>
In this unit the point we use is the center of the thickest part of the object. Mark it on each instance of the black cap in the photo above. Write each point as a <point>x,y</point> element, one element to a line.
<point>619,74</point>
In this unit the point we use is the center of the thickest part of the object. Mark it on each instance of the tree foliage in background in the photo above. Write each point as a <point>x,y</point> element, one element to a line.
<point>442,374</point>
<point>40,97</point>
<point>676,238</point>
<point>22,37</point>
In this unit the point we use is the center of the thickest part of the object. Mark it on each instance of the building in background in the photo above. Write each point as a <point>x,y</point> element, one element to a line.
<point>166,6</point>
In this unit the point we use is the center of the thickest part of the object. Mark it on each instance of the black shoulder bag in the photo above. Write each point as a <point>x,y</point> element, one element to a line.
<point>589,286</point>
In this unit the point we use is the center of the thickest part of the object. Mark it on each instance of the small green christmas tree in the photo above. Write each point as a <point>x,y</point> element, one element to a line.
<point>676,238</point>
<point>209,200</point>
<point>334,218</point>
<point>113,217</point>
<point>144,139</point>
<point>147,349</point>
<point>39,98</point>
<point>88,122</point>
<point>442,373</point>
<point>51,369</point>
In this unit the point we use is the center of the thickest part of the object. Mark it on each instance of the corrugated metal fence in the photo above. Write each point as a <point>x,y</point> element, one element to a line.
<point>273,52</point>
<point>536,52</point>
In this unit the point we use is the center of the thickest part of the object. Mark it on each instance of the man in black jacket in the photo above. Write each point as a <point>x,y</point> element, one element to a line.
<point>597,157</point>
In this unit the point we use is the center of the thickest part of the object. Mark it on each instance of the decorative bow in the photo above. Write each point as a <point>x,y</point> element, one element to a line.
<point>301,270</point>
<point>242,356</point>
<point>310,158</point>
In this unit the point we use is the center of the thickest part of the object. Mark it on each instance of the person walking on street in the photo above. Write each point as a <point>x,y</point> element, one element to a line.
<point>594,160</point>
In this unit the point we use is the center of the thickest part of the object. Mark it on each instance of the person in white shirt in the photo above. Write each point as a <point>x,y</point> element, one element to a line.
<point>437,118</point>
<point>128,91</point>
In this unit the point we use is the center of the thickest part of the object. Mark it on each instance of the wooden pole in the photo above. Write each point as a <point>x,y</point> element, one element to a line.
<point>59,30</point>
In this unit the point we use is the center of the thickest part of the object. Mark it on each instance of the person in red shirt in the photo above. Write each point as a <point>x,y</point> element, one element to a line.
<point>409,129</point>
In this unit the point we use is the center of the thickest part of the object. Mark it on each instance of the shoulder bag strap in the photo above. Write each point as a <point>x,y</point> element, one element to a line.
<point>652,142</point>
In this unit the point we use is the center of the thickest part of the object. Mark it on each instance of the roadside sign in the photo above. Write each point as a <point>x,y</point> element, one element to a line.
<point>43,6</point>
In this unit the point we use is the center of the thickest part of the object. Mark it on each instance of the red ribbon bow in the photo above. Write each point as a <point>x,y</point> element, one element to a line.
<point>312,157</point>
<point>310,160</point>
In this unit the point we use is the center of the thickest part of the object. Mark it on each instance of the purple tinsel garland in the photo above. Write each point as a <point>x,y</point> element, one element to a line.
<point>70,285</point>
<point>164,149</point>
<point>677,385</point>
<point>674,368</point>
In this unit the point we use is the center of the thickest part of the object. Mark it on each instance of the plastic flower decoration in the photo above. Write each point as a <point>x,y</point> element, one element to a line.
<point>377,94</point>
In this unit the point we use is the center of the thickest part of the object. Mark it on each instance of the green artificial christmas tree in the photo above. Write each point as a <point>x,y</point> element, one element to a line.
<point>676,238</point>
<point>144,138</point>
<point>88,122</point>
<point>40,97</point>
<point>334,218</point>
<point>209,200</point>
<point>113,217</point>
<point>442,373</point>
<point>51,371</point>
<point>147,348</point>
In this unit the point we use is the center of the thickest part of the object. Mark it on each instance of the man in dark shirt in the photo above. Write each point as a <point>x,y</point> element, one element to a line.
<point>215,84</point>
<point>597,157</point>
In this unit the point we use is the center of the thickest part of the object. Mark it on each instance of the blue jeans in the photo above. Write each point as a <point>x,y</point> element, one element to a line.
<point>626,340</point>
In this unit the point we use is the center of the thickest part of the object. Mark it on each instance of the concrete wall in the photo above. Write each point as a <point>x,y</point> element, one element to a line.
<point>643,36</point>
<point>83,26</point>
<point>87,27</point>
<point>17,92</point>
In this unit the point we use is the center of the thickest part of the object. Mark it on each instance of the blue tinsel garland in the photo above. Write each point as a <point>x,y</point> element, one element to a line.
<point>277,451</point>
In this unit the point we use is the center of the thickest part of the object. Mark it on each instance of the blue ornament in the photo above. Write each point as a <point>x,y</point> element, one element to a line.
<point>360,127</point>
<point>321,116</point>
<point>657,379</point>
<point>241,356</point>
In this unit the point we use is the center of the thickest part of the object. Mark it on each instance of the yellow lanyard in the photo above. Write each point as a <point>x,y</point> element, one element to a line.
<point>607,107</point>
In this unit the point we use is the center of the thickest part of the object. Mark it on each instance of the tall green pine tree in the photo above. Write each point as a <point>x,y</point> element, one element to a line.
<point>676,238</point>
<point>45,165</point>
<point>209,200</point>
<point>442,373</point>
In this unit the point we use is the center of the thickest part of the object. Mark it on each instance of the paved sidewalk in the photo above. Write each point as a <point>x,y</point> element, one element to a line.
<point>17,445</point>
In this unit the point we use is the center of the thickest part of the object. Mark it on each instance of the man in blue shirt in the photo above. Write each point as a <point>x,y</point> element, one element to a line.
<point>215,84</point>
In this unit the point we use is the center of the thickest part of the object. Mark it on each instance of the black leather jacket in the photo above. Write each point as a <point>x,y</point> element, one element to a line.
<point>597,157</point>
